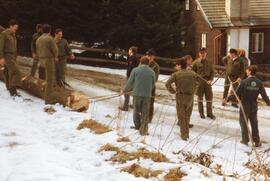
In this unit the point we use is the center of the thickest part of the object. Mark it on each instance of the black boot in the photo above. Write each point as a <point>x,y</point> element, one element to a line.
<point>13,91</point>
<point>202,116</point>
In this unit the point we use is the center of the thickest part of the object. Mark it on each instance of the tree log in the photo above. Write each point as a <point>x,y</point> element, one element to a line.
<point>76,101</point>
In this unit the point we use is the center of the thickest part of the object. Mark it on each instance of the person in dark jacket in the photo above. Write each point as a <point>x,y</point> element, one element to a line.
<point>248,92</point>
<point>141,82</point>
<point>235,72</point>
<point>132,62</point>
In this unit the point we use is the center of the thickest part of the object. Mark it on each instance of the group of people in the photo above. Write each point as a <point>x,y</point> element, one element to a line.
<point>49,54</point>
<point>195,77</point>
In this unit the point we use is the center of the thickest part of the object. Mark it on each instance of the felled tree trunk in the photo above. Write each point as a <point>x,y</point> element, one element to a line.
<point>76,101</point>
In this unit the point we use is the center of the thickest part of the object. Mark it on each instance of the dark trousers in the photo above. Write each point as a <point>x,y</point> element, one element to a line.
<point>60,69</point>
<point>227,87</point>
<point>252,118</point>
<point>141,114</point>
<point>152,101</point>
<point>126,102</point>
<point>205,89</point>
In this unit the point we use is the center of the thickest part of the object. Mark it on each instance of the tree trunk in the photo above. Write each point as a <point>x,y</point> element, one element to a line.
<point>76,101</point>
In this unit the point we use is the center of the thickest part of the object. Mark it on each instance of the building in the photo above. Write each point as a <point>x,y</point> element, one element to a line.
<point>223,24</point>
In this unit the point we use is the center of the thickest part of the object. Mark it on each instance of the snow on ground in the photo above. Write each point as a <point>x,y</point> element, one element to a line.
<point>36,146</point>
<point>218,86</point>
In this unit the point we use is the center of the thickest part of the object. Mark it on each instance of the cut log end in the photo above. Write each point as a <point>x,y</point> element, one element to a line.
<point>76,101</point>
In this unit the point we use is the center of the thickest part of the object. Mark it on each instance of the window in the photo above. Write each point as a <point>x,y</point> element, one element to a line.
<point>257,42</point>
<point>203,45</point>
<point>187,5</point>
<point>183,43</point>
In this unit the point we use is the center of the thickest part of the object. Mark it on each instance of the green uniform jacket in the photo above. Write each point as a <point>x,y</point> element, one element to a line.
<point>155,67</point>
<point>63,48</point>
<point>46,47</point>
<point>33,42</point>
<point>203,68</point>
<point>184,80</point>
<point>234,68</point>
<point>8,44</point>
<point>141,81</point>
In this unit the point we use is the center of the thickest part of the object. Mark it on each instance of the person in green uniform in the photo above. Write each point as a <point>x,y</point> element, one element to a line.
<point>189,61</point>
<point>8,57</point>
<point>151,54</point>
<point>34,49</point>
<point>205,73</point>
<point>234,72</point>
<point>64,52</point>
<point>47,53</point>
<point>141,82</point>
<point>185,82</point>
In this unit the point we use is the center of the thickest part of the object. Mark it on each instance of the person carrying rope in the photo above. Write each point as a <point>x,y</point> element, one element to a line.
<point>185,82</point>
<point>235,71</point>
<point>205,71</point>
<point>248,92</point>
<point>141,82</point>
<point>132,62</point>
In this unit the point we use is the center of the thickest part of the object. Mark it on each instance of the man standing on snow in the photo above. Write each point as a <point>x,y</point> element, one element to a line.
<point>151,54</point>
<point>47,53</point>
<point>234,71</point>
<point>248,92</point>
<point>8,57</point>
<point>141,82</point>
<point>34,49</point>
<point>185,82</point>
<point>133,62</point>
<point>64,51</point>
<point>205,70</point>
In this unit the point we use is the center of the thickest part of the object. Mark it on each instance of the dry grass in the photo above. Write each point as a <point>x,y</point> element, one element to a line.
<point>155,156</point>
<point>94,126</point>
<point>49,110</point>
<point>123,156</point>
<point>139,171</point>
<point>202,158</point>
<point>123,139</point>
<point>109,147</point>
<point>174,175</point>
<point>258,169</point>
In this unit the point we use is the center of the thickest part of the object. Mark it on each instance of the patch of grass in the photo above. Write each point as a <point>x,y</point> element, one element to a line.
<point>123,139</point>
<point>123,156</point>
<point>258,169</point>
<point>204,159</point>
<point>139,171</point>
<point>94,126</point>
<point>155,156</point>
<point>174,175</point>
<point>109,147</point>
<point>49,110</point>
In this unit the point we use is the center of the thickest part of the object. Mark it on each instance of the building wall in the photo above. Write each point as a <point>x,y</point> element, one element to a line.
<point>201,26</point>
<point>238,38</point>
<point>260,58</point>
